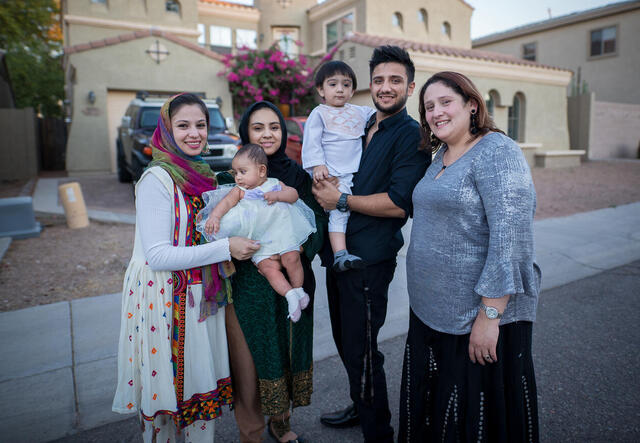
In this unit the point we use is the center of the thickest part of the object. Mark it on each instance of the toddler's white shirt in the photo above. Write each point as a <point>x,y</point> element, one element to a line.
<point>332,137</point>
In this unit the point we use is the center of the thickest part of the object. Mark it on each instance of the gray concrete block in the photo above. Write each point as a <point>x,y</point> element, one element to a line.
<point>96,327</point>
<point>45,196</point>
<point>96,385</point>
<point>37,408</point>
<point>17,219</point>
<point>34,340</point>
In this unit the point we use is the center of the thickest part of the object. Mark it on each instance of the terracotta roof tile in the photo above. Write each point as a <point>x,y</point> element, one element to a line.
<point>141,34</point>
<point>127,37</point>
<point>82,47</point>
<point>98,44</point>
<point>412,45</point>
<point>112,40</point>
<point>227,4</point>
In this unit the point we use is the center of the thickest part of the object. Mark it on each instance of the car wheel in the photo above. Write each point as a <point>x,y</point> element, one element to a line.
<point>124,176</point>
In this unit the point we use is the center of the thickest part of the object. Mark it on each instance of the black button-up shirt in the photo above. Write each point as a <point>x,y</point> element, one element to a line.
<point>391,163</point>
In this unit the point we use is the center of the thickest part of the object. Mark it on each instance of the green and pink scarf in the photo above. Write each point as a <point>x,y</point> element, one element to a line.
<point>193,176</point>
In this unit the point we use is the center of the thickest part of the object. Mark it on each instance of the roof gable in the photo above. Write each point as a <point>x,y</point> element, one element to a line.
<point>122,38</point>
<point>410,45</point>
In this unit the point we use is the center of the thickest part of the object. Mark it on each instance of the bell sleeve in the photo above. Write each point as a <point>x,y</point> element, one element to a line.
<point>503,180</point>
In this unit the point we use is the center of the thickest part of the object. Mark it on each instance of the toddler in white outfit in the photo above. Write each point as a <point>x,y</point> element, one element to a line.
<point>332,146</point>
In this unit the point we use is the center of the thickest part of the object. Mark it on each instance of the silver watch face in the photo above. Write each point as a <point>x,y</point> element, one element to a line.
<point>491,312</point>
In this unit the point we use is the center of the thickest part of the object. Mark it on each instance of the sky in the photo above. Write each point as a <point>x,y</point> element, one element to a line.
<point>490,16</point>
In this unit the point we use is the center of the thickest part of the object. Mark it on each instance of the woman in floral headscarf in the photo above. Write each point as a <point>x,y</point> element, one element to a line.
<point>173,365</point>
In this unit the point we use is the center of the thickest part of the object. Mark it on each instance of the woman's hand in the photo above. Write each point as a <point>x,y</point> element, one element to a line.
<point>242,248</point>
<point>483,339</point>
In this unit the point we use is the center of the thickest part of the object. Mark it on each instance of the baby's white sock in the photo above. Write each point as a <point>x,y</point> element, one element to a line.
<point>294,305</point>
<point>303,297</point>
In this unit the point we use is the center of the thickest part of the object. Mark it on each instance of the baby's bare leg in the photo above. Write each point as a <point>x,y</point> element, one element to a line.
<point>271,270</point>
<point>291,262</point>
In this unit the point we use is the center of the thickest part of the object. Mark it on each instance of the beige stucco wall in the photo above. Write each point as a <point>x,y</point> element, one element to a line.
<point>119,16</point>
<point>126,66</point>
<point>613,78</point>
<point>456,12</point>
<point>546,102</point>
<point>274,15</point>
<point>329,11</point>
<point>615,131</point>
<point>374,18</point>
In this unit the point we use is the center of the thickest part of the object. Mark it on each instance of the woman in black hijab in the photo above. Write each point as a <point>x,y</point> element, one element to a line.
<point>271,357</point>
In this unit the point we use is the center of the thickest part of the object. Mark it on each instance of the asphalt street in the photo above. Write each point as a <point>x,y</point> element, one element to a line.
<point>586,352</point>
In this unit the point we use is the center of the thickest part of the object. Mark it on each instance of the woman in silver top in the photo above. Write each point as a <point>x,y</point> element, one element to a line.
<point>472,281</point>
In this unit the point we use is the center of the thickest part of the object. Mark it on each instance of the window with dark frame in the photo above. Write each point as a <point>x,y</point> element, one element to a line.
<point>529,51</point>
<point>603,41</point>
<point>173,6</point>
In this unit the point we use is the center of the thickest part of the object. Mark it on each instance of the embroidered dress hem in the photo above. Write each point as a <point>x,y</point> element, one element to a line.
<point>205,406</point>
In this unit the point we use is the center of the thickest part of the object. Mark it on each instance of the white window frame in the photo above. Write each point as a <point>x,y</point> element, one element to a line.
<point>240,42</point>
<point>202,37</point>
<point>213,42</point>
<point>333,19</point>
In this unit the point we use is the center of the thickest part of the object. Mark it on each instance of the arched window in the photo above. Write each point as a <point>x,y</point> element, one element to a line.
<point>396,20</point>
<point>446,29</point>
<point>424,18</point>
<point>517,118</point>
<point>172,6</point>
<point>492,102</point>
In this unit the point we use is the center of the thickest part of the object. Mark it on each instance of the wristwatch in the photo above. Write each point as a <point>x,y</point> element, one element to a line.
<point>492,313</point>
<point>341,205</point>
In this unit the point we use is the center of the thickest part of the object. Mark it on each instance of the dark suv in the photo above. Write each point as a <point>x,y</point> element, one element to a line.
<point>139,122</point>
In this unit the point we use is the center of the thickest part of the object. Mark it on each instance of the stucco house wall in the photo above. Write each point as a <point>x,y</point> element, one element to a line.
<point>613,78</point>
<point>88,144</point>
<point>543,88</point>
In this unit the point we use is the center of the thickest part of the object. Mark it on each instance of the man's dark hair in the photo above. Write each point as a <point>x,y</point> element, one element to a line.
<point>254,153</point>
<point>332,68</point>
<point>392,54</point>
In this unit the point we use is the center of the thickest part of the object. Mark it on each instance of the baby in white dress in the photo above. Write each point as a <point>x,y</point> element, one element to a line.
<point>332,145</point>
<point>267,210</point>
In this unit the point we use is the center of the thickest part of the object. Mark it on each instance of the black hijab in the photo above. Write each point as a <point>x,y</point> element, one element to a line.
<point>280,166</point>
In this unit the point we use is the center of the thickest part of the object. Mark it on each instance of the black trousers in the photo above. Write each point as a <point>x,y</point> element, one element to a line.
<point>358,308</point>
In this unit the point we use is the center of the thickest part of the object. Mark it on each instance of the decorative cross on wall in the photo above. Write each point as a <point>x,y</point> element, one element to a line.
<point>157,51</point>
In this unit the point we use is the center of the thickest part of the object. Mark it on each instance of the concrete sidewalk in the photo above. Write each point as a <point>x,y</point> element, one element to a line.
<point>586,371</point>
<point>58,373</point>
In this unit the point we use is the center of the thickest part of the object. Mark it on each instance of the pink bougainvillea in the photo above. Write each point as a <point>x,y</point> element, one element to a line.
<point>272,75</point>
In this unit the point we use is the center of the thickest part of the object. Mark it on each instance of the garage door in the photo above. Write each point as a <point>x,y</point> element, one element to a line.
<point>117,102</point>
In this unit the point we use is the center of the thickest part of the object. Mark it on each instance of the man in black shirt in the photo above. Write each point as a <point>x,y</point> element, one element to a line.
<point>390,167</point>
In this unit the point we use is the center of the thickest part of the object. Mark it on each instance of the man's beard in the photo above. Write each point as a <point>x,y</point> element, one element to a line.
<point>394,108</point>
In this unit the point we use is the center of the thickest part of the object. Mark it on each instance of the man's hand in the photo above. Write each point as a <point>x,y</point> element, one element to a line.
<point>327,194</point>
<point>320,173</point>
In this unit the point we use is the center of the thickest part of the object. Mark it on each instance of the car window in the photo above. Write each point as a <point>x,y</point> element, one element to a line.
<point>216,121</point>
<point>292,128</point>
<point>149,117</point>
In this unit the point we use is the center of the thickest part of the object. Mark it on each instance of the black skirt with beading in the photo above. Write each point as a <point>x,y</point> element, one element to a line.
<point>447,398</point>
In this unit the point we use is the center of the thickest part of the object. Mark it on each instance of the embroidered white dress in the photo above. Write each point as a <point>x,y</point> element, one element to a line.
<point>171,367</point>
<point>280,227</point>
